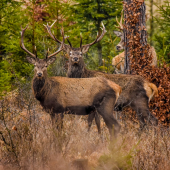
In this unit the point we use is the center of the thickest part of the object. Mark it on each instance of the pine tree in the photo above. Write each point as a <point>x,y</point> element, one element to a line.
<point>89,15</point>
<point>162,34</point>
<point>8,24</point>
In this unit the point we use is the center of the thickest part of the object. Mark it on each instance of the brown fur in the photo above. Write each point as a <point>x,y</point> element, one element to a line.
<point>151,90</point>
<point>118,61</point>
<point>75,96</point>
<point>136,91</point>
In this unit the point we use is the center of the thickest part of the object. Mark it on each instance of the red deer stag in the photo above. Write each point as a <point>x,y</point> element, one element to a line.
<point>73,96</point>
<point>118,61</point>
<point>73,52</point>
<point>136,91</point>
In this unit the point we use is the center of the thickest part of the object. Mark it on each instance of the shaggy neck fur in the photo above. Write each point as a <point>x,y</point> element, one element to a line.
<point>76,70</point>
<point>41,87</point>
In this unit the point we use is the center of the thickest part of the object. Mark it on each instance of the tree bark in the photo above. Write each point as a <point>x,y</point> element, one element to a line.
<point>134,28</point>
<point>99,46</point>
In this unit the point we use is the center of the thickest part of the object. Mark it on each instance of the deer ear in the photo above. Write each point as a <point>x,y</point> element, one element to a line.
<point>51,60</point>
<point>118,33</point>
<point>84,49</point>
<point>31,60</point>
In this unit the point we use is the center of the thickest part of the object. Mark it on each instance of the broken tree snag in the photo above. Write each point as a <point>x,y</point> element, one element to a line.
<point>135,35</point>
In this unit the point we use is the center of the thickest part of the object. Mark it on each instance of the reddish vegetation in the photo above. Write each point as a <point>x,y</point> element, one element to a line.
<point>140,61</point>
<point>160,76</point>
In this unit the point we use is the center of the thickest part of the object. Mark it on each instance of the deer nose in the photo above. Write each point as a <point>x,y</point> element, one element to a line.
<point>76,59</point>
<point>39,74</point>
<point>117,47</point>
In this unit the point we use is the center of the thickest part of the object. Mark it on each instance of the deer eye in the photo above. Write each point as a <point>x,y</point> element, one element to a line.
<point>81,53</point>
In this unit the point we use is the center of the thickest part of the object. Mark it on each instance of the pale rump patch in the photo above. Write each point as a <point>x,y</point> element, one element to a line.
<point>151,90</point>
<point>115,87</point>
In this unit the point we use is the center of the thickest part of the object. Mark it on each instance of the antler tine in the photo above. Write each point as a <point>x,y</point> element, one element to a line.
<point>60,49</point>
<point>62,33</point>
<point>53,23</point>
<point>103,32</point>
<point>49,31</point>
<point>120,23</point>
<point>35,51</point>
<point>69,42</point>
<point>98,37</point>
<point>61,46</point>
<point>121,19</point>
<point>22,42</point>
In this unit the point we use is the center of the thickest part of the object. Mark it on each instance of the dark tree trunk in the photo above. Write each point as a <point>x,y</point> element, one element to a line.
<point>33,28</point>
<point>99,47</point>
<point>1,48</point>
<point>57,17</point>
<point>134,30</point>
<point>151,21</point>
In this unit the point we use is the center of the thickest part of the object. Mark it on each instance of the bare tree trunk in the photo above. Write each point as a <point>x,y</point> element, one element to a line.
<point>134,30</point>
<point>0,45</point>
<point>33,27</point>
<point>57,17</point>
<point>100,53</point>
<point>151,21</point>
<point>99,47</point>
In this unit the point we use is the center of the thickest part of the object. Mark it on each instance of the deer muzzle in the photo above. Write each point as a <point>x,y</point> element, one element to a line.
<point>118,47</point>
<point>75,59</point>
<point>39,74</point>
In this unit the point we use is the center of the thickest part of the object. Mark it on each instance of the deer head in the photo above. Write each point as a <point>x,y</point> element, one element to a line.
<point>76,54</point>
<point>120,33</point>
<point>40,65</point>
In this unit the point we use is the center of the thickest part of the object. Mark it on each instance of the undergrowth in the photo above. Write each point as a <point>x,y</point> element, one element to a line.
<point>28,141</point>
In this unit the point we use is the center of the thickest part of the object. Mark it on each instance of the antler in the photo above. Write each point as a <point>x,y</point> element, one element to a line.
<point>98,38</point>
<point>49,31</point>
<point>69,41</point>
<point>120,23</point>
<point>53,37</point>
<point>61,46</point>
<point>22,42</point>
<point>35,56</point>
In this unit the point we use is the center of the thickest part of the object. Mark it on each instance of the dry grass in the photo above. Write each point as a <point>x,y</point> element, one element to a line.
<point>28,141</point>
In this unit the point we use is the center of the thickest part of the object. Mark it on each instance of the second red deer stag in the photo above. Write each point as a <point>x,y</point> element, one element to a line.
<point>73,96</point>
<point>136,91</point>
<point>118,61</point>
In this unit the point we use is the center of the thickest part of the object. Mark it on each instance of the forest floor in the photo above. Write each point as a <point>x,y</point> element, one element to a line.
<point>28,141</point>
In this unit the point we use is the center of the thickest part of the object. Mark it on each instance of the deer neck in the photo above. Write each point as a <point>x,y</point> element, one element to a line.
<point>40,87</point>
<point>76,70</point>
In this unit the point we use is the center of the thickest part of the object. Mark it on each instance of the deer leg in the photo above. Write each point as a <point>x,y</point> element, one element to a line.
<point>57,120</point>
<point>97,120</point>
<point>106,111</point>
<point>142,109</point>
<point>91,116</point>
<point>90,120</point>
